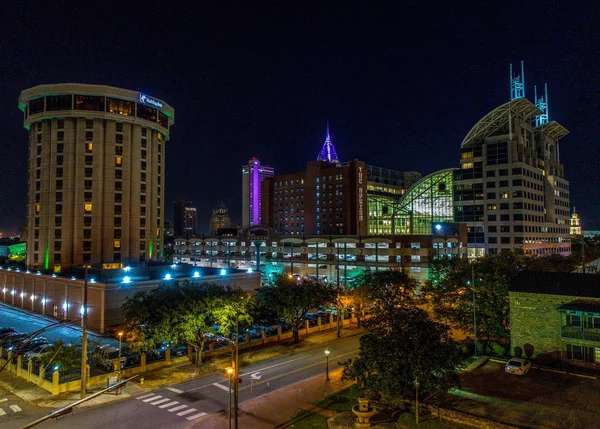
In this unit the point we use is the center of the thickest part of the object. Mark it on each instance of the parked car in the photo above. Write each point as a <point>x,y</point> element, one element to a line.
<point>12,340</point>
<point>36,342</point>
<point>518,366</point>
<point>8,333</point>
<point>108,356</point>
<point>39,351</point>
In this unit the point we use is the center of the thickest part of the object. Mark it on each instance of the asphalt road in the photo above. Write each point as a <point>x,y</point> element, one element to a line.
<point>186,404</point>
<point>28,322</point>
<point>14,412</point>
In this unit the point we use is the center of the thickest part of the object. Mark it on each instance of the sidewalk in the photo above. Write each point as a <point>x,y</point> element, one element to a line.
<point>276,409</point>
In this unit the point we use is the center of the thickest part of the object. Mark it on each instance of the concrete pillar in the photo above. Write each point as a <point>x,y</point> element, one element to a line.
<point>55,382</point>
<point>168,356</point>
<point>143,359</point>
<point>319,323</point>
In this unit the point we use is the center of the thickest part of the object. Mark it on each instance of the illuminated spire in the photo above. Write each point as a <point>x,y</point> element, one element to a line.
<point>542,104</point>
<point>328,152</point>
<point>517,83</point>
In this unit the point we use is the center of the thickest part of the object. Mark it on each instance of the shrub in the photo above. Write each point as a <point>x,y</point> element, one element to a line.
<point>528,349</point>
<point>497,349</point>
<point>371,395</point>
<point>518,351</point>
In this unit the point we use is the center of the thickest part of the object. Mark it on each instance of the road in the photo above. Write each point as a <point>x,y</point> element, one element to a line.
<point>186,404</point>
<point>14,412</point>
<point>28,322</point>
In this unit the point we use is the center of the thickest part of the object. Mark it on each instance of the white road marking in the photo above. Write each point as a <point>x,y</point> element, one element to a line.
<point>145,396</point>
<point>256,376</point>
<point>3,400</point>
<point>177,408</point>
<point>170,404</point>
<point>195,416</point>
<point>183,413</point>
<point>152,398</point>
<point>220,386</point>
<point>172,389</point>
<point>15,408</point>
<point>160,401</point>
<point>2,412</point>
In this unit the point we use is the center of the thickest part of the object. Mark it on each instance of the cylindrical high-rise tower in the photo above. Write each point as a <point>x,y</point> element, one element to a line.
<point>96,175</point>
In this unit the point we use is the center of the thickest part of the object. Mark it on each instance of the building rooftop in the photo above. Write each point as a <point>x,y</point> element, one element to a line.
<point>570,284</point>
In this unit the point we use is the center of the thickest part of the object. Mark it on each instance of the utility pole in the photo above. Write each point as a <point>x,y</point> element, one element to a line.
<point>84,341</point>
<point>474,310</point>
<point>236,384</point>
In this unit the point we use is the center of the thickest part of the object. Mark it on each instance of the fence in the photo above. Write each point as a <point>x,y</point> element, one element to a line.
<point>56,381</point>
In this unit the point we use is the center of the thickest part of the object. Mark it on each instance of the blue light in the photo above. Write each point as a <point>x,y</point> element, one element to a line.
<point>73,278</point>
<point>223,272</point>
<point>127,268</point>
<point>126,279</point>
<point>38,273</point>
<point>167,276</point>
<point>92,280</point>
<point>249,270</point>
<point>54,275</point>
<point>438,227</point>
<point>196,274</point>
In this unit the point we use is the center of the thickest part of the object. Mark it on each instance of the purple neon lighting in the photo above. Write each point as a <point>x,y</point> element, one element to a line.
<point>328,152</point>
<point>255,191</point>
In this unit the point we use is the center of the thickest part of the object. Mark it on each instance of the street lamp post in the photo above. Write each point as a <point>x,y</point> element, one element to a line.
<point>229,375</point>
<point>474,309</point>
<point>84,342</point>
<point>119,363</point>
<point>327,351</point>
<point>417,399</point>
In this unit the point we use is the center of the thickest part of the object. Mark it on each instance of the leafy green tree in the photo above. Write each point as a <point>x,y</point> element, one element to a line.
<point>174,313</point>
<point>62,356</point>
<point>233,308</point>
<point>293,298</point>
<point>361,301</point>
<point>401,344</point>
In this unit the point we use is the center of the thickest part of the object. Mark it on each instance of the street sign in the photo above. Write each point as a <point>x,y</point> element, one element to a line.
<point>112,380</point>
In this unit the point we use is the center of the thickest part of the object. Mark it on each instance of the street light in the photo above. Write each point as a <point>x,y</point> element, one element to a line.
<point>327,351</point>
<point>119,371</point>
<point>229,374</point>
<point>474,308</point>
<point>417,399</point>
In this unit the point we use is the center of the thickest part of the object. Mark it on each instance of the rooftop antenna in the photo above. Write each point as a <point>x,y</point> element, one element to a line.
<point>542,104</point>
<point>517,83</point>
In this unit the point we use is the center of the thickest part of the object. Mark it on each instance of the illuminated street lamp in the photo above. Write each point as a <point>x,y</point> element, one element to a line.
<point>119,371</point>
<point>229,375</point>
<point>327,351</point>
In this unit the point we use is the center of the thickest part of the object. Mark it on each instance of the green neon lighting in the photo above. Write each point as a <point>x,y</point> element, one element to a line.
<point>22,106</point>
<point>47,256</point>
<point>27,127</point>
<point>151,248</point>
<point>167,114</point>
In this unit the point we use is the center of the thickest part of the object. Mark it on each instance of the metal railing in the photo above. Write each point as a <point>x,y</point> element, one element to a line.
<point>581,333</point>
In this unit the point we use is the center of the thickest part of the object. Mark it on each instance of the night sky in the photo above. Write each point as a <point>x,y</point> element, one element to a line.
<point>401,83</point>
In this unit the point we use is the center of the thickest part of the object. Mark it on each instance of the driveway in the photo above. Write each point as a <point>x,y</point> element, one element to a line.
<point>540,399</point>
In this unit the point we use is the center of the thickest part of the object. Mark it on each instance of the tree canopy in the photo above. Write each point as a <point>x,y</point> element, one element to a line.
<point>402,343</point>
<point>292,298</point>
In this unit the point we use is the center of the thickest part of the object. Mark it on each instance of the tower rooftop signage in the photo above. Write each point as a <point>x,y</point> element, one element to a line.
<point>149,100</point>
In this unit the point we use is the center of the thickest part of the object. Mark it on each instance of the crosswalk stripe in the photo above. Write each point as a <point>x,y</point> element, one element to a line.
<point>177,408</point>
<point>153,398</point>
<point>2,412</point>
<point>160,401</point>
<point>15,408</point>
<point>145,396</point>
<point>195,416</point>
<point>3,399</point>
<point>170,404</point>
<point>220,386</point>
<point>183,413</point>
<point>172,389</point>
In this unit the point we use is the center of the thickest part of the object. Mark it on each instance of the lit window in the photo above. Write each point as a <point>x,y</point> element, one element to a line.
<point>118,161</point>
<point>37,208</point>
<point>88,147</point>
<point>117,244</point>
<point>87,208</point>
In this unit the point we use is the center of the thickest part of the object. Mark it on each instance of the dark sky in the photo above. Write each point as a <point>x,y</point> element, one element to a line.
<point>401,83</point>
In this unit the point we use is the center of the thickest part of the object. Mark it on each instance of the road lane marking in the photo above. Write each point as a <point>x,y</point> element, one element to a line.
<point>273,366</point>
<point>5,399</point>
<point>172,389</point>
<point>145,396</point>
<point>160,401</point>
<point>177,408</point>
<point>195,416</point>
<point>183,413</point>
<point>220,386</point>
<point>15,408</point>
<point>2,412</point>
<point>152,398</point>
<point>170,404</point>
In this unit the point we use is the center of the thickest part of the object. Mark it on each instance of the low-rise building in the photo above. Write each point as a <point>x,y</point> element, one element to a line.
<point>556,314</point>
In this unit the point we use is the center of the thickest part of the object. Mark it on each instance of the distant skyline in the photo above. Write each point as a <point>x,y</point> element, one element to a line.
<point>400,84</point>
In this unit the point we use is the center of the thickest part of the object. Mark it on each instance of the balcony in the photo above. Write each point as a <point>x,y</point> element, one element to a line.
<point>580,333</point>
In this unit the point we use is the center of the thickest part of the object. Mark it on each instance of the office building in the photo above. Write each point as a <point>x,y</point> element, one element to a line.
<point>219,218</point>
<point>575,228</point>
<point>185,219</point>
<point>95,175</point>
<point>252,176</point>
<point>511,188</point>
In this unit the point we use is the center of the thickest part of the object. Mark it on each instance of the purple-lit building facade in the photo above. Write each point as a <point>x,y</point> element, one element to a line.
<point>252,176</point>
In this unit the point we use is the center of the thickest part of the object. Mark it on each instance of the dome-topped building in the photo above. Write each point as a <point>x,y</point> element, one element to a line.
<point>220,218</point>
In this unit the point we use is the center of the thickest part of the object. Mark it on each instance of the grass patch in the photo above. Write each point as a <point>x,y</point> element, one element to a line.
<point>305,419</point>
<point>341,401</point>
<point>407,420</point>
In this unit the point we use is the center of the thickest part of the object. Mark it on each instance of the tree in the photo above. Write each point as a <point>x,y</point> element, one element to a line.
<point>402,343</point>
<point>388,287</point>
<point>293,298</point>
<point>174,313</point>
<point>232,308</point>
<point>361,301</point>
